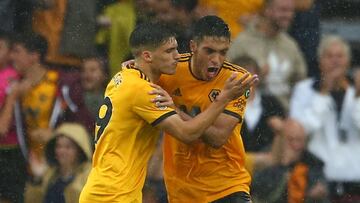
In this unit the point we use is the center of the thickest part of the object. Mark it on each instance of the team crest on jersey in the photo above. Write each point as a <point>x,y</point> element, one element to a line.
<point>213,94</point>
<point>117,79</point>
<point>247,93</point>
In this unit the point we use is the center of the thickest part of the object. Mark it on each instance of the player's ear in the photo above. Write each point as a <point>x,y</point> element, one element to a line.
<point>147,56</point>
<point>193,45</point>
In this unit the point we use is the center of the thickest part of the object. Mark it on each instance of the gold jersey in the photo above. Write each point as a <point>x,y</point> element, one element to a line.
<point>126,137</point>
<point>198,172</point>
<point>37,105</point>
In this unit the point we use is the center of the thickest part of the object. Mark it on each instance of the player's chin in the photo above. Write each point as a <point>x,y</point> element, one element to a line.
<point>171,71</point>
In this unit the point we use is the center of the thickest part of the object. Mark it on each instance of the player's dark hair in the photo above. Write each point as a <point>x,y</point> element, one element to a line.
<point>210,26</point>
<point>33,42</point>
<point>149,35</point>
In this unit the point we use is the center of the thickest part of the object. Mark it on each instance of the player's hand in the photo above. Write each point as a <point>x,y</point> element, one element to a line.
<point>162,99</point>
<point>235,88</point>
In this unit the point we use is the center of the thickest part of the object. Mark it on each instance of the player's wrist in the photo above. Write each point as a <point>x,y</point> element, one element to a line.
<point>223,97</point>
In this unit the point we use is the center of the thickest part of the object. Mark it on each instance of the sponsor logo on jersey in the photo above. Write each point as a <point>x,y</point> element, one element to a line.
<point>240,104</point>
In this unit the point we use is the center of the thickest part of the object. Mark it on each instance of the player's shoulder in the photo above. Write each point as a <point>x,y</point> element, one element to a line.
<point>133,76</point>
<point>233,68</point>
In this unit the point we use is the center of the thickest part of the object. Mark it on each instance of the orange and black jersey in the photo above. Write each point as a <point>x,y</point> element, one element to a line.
<point>198,172</point>
<point>125,139</point>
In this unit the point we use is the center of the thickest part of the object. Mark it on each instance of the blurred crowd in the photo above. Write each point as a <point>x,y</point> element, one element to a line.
<point>302,124</point>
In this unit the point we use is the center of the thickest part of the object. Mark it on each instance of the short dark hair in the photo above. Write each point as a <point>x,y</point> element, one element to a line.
<point>6,36</point>
<point>210,26</point>
<point>150,35</point>
<point>33,42</point>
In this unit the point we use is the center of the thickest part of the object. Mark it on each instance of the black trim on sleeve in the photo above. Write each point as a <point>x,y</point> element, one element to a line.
<point>231,113</point>
<point>161,118</point>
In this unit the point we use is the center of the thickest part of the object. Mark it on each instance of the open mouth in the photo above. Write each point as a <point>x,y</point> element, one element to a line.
<point>212,72</point>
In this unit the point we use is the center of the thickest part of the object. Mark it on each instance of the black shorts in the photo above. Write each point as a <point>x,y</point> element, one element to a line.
<point>12,174</point>
<point>237,197</point>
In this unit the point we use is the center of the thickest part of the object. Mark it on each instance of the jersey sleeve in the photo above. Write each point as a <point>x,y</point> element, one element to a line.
<point>237,107</point>
<point>146,109</point>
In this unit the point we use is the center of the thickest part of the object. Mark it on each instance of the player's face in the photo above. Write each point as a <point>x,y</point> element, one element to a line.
<point>334,59</point>
<point>164,59</point>
<point>208,56</point>
<point>66,151</point>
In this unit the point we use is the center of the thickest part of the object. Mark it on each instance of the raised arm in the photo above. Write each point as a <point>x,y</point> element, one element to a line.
<point>189,130</point>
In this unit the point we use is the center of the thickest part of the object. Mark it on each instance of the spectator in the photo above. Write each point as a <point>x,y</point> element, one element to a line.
<point>49,96</point>
<point>256,130</point>
<point>12,162</point>
<point>329,109</point>
<point>274,50</point>
<point>68,155</point>
<point>180,15</point>
<point>93,81</point>
<point>298,177</point>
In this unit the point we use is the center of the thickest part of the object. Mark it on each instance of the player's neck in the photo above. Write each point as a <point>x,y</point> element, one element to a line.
<point>148,71</point>
<point>195,71</point>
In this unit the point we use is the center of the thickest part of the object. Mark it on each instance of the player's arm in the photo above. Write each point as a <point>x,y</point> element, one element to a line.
<point>189,130</point>
<point>218,133</point>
